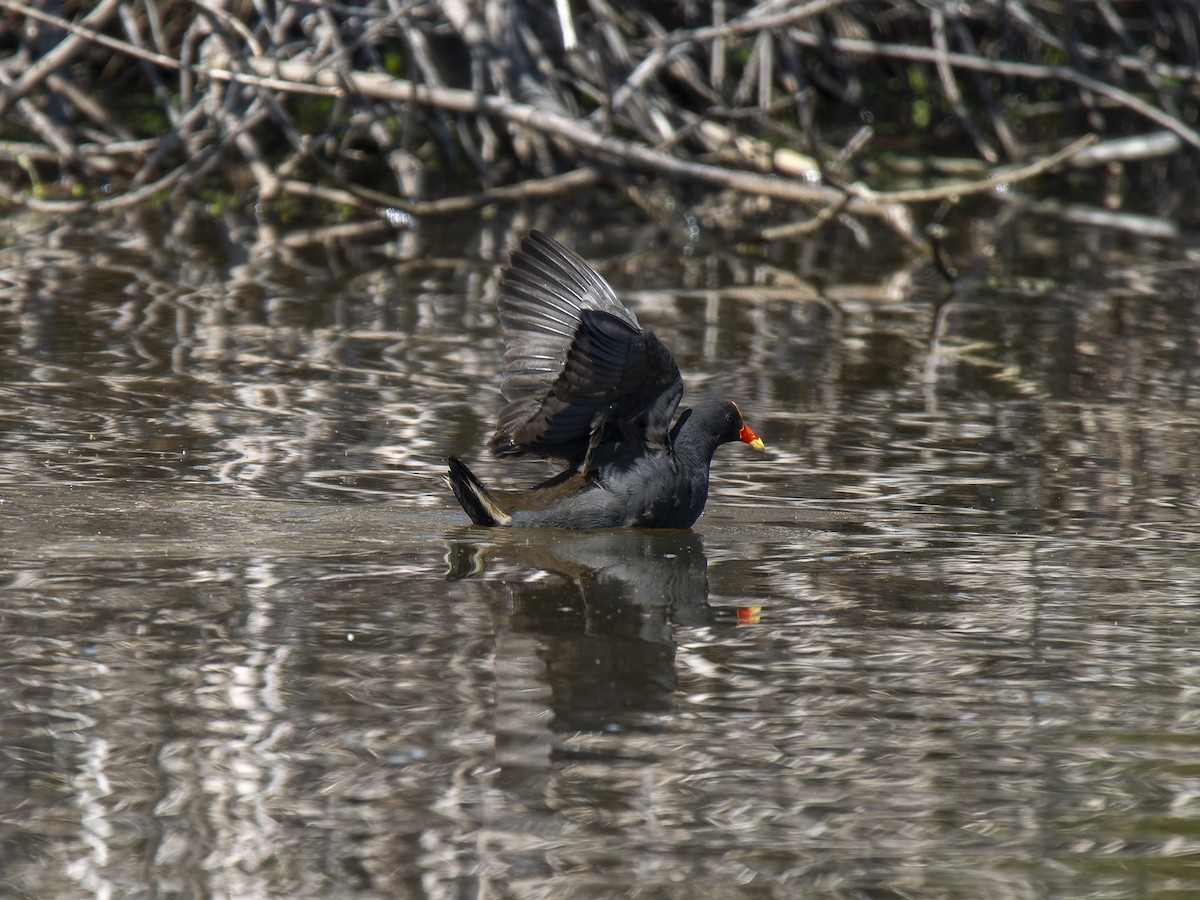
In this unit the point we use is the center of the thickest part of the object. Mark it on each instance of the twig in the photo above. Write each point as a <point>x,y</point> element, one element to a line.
<point>803,229</point>
<point>362,198</point>
<point>1005,175</point>
<point>40,123</point>
<point>950,85</point>
<point>336,196</point>
<point>749,24</point>
<point>55,59</point>
<point>982,84</point>
<point>1095,217</point>
<point>566,25</point>
<point>552,186</point>
<point>169,140</point>
<point>95,37</point>
<point>37,204</point>
<point>1142,146</point>
<point>86,105</point>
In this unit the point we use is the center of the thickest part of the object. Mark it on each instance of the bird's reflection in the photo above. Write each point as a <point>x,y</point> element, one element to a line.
<point>585,624</point>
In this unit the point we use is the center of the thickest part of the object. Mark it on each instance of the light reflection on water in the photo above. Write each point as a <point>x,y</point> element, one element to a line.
<point>938,641</point>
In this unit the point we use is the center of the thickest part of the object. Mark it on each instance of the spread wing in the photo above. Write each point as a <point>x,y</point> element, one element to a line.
<point>581,376</point>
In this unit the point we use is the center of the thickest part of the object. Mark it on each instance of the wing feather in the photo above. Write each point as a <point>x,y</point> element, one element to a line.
<point>579,370</point>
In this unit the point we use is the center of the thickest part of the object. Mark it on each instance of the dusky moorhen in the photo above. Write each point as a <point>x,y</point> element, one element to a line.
<point>585,383</point>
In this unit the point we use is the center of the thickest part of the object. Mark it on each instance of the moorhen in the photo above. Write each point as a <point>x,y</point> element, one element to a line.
<point>585,383</point>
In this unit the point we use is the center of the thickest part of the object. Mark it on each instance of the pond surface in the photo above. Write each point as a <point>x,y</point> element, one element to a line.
<point>939,640</point>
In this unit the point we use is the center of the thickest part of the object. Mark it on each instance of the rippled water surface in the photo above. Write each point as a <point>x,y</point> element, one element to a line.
<point>940,640</point>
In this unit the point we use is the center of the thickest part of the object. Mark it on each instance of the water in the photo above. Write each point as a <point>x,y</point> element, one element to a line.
<point>938,641</point>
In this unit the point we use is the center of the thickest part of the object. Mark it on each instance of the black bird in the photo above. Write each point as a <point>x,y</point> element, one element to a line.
<point>585,383</point>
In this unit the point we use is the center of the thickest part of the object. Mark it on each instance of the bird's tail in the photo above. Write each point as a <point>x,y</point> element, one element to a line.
<point>474,497</point>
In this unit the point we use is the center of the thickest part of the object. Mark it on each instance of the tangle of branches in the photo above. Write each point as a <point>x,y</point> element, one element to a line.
<point>401,108</point>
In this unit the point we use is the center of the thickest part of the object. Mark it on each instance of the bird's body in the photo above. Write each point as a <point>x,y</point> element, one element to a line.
<point>585,383</point>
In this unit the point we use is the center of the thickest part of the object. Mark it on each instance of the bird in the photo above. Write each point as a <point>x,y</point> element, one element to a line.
<point>587,385</point>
